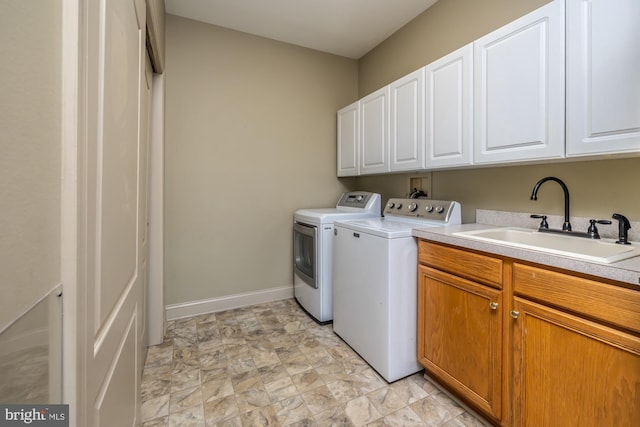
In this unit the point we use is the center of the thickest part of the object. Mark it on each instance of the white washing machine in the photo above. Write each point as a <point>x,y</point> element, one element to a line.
<point>313,249</point>
<point>375,282</point>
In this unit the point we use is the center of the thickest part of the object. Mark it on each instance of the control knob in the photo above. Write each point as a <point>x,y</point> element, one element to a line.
<point>412,206</point>
<point>399,206</point>
<point>391,205</point>
<point>359,198</point>
<point>439,209</point>
<point>429,208</point>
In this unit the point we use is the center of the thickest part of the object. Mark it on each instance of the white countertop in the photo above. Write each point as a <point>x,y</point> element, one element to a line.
<point>627,271</point>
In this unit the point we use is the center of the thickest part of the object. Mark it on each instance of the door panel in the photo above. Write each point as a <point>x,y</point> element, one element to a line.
<point>116,241</point>
<point>115,211</point>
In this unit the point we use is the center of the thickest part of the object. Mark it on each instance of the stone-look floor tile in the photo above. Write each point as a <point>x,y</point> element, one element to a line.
<point>158,356</point>
<point>231,422</point>
<point>158,422</point>
<point>343,391</point>
<point>282,341</point>
<point>217,389</point>
<point>186,357</point>
<point>332,372</point>
<point>292,410</point>
<point>155,408</point>
<point>219,410</point>
<point>272,373</point>
<point>154,386</point>
<point>307,380</point>
<point>319,399</point>
<point>185,399</point>
<point>465,420</point>
<point>333,417</point>
<point>251,399</point>
<point>386,400</point>
<point>403,417</point>
<point>241,364</point>
<point>367,381</point>
<point>265,358</point>
<point>447,403</point>
<point>271,364</point>
<point>296,365</point>
<point>281,389</point>
<point>205,318</point>
<point>185,378</point>
<point>319,357</point>
<point>431,412</point>
<point>208,332</point>
<point>214,372</point>
<point>288,353</point>
<point>192,417</point>
<point>409,391</point>
<point>246,381</point>
<point>361,411</point>
<point>260,417</point>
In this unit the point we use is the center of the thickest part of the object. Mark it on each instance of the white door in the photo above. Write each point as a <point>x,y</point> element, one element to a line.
<point>374,132</point>
<point>407,123</point>
<point>449,109</point>
<point>114,212</point>
<point>519,89</point>
<point>348,144</point>
<point>603,77</point>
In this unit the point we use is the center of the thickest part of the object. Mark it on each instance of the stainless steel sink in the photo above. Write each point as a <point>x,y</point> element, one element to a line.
<point>603,250</point>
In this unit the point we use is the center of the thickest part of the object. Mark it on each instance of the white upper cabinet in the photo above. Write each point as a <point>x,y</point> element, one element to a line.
<point>348,142</point>
<point>519,89</point>
<point>448,109</point>
<point>374,132</point>
<point>603,76</point>
<point>406,122</point>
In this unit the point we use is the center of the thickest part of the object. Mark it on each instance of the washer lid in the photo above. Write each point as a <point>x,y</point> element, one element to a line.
<point>385,227</point>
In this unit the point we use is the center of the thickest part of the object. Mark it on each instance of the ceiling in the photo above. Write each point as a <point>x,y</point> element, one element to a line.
<point>348,28</point>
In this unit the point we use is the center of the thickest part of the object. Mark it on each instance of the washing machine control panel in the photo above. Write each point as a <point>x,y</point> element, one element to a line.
<point>434,210</point>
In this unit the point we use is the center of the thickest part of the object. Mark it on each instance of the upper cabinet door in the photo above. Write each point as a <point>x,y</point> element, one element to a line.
<point>374,132</point>
<point>348,144</point>
<point>603,77</point>
<point>519,89</point>
<point>406,122</point>
<point>448,109</point>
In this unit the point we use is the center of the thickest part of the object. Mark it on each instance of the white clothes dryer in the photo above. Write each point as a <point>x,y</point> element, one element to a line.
<point>313,249</point>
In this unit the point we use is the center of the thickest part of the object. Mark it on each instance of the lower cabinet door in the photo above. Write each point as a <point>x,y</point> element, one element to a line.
<point>460,337</point>
<point>569,371</point>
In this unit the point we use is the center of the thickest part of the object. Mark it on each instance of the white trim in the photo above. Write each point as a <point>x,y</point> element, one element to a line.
<point>212,305</point>
<point>155,286</point>
<point>72,126</point>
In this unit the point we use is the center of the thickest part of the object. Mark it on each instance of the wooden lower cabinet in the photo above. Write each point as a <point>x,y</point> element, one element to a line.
<point>542,347</point>
<point>569,371</point>
<point>460,337</point>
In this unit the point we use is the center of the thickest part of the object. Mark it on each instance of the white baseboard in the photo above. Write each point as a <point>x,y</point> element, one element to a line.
<point>212,305</point>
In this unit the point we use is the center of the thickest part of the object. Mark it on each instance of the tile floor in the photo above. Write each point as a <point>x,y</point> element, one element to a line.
<point>272,365</point>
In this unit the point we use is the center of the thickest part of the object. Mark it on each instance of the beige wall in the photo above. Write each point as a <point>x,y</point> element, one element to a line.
<point>250,138</point>
<point>597,188</point>
<point>443,28</point>
<point>30,161</point>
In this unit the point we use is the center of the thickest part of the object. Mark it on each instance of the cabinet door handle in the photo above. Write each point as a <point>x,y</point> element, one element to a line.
<point>493,305</point>
<point>515,314</point>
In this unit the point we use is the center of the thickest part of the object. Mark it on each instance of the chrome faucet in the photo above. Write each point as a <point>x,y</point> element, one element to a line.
<point>534,196</point>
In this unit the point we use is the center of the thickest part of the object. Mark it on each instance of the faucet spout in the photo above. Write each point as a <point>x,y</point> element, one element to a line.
<point>534,196</point>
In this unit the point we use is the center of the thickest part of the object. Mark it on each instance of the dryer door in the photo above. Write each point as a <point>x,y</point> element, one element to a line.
<point>305,244</point>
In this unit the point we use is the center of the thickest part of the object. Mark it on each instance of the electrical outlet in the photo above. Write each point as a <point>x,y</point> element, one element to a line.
<point>420,182</point>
